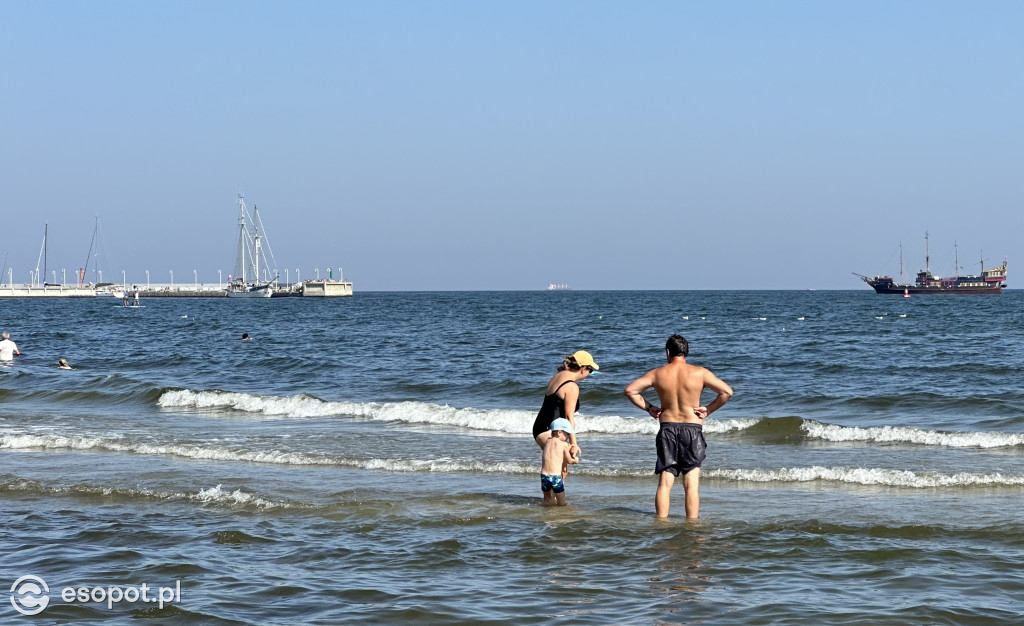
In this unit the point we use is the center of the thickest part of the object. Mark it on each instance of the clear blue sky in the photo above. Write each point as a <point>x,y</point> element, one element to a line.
<point>445,145</point>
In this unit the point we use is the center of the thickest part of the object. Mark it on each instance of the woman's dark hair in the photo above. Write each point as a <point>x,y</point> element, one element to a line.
<point>677,346</point>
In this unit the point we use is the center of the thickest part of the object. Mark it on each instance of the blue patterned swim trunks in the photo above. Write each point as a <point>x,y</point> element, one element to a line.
<point>551,482</point>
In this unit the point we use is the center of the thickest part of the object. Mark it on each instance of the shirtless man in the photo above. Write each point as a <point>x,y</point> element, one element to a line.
<point>680,443</point>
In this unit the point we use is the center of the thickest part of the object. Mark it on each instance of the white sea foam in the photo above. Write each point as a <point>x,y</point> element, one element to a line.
<point>291,406</point>
<point>448,465</point>
<point>499,420</point>
<point>212,495</point>
<point>218,453</point>
<point>712,425</point>
<point>867,476</point>
<point>26,441</point>
<point>212,453</point>
<point>221,496</point>
<point>906,434</point>
<point>854,475</point>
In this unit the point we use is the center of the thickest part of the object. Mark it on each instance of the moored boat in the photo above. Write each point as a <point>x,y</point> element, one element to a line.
<point>251,258</point>
<point>39,286</point>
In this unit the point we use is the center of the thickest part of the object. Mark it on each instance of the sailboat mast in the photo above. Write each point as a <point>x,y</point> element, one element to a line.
<point>46,232</point>
<point>242,235</point>
<point>256,245</point>
<point>42,249</point>
<point>92,243</point>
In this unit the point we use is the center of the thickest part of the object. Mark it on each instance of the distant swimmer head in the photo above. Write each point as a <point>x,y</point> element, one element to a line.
<point>63,364</point>
<point>580,359</point>
<point>677,346</point>
<point>245,336</point>
<point>563,425</point>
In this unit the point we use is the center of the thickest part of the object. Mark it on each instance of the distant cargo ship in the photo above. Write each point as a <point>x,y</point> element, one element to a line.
<point>992,280</point>
<point>558,287</point>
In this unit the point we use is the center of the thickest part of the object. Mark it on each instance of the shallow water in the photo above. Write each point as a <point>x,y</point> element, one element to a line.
<point>369,459</point>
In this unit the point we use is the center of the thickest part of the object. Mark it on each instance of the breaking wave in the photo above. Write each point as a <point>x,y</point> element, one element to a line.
<point>906,434</point>
<point>212,495</point>
<point>867,476</point>
<point>859,476</point>
<point>513,421</point>
<point>501,420</point>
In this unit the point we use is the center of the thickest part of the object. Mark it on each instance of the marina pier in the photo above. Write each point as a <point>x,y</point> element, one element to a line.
<point>45,291</point>
<point>312,288</point>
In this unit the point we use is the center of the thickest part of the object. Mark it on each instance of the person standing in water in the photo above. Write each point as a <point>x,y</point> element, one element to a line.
<point>556,459</point>
<point>8,348</point>
<point>562,398</point>
<point>680,443</point>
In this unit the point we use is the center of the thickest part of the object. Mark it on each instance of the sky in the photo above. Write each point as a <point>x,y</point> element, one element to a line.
<point>466,145</point>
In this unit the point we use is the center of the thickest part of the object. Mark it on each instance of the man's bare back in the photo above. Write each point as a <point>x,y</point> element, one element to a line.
<point>681,446</point>
<point>679,385</point>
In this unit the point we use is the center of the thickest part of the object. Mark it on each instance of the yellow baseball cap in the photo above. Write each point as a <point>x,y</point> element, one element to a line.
<point>583,358</point>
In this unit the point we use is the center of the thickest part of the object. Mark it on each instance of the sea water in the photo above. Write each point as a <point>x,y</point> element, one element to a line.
<point>369,460</point>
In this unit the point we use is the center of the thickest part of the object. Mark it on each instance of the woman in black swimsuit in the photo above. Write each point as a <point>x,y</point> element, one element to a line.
<point>562,399</point>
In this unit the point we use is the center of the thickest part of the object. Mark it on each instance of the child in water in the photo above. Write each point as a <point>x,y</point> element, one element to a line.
<point>556,460</point>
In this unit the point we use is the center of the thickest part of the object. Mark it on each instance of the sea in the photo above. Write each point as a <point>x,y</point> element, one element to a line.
<point>368,460</point>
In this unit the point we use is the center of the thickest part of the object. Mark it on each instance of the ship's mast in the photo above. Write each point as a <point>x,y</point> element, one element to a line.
<point>956,260</point>
<point>927,258</point>
<point>901,262</point>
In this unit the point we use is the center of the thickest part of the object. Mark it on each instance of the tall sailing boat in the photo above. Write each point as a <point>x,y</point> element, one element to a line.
<point>251,259</point>
<point>94,259</point>
<point>991,280</point>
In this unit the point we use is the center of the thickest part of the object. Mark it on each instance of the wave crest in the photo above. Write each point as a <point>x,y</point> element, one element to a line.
<point>907,434</point>
<point>519,422</point>
<point>513,421</point>
<point>213,495</point>
<point>867,476</point>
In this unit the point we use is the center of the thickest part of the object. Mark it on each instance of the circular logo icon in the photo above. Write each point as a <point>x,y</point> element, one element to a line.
<point>28,595</point>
